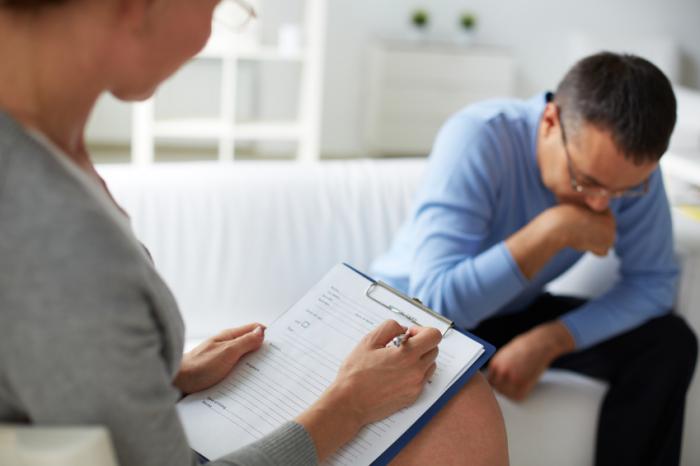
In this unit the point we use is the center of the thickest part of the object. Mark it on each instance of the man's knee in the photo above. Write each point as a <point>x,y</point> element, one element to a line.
<point>679,341</point>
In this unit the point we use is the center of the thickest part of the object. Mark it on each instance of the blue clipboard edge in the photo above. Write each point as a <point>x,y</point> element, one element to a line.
<point>402,441</point>
<point>359,272</point>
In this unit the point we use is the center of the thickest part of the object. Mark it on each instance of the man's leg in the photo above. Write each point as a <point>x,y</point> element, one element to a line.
<point>648,370</point>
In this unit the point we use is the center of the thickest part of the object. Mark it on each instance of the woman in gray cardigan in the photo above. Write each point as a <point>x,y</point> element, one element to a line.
<point>89,333</point>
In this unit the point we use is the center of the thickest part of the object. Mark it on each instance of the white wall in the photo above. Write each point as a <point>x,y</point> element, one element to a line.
<point>538,33</point>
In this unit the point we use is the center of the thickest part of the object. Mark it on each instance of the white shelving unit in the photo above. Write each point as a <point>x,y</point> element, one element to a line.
<point>304,130</point>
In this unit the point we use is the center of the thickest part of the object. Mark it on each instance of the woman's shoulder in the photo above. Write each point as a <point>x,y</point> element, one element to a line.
<point>55,232</point>
<point>73,271</point>
<point>46,212</point>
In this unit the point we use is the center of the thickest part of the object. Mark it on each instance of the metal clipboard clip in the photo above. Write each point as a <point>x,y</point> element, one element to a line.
<point>413,301</point>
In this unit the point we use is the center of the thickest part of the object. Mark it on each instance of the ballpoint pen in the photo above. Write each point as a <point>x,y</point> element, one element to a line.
<point>400,339</point>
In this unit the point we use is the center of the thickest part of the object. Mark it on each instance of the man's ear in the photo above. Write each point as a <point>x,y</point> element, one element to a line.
<point>550,119</point>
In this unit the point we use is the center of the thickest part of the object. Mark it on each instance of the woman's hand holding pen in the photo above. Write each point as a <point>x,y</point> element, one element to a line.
<point>375,381</point>
<point>379,380</point>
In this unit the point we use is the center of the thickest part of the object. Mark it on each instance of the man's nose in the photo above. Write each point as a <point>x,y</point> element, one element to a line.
<point>597,203</point>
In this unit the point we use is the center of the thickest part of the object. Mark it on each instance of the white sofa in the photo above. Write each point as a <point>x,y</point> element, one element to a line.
<point>242,242</point>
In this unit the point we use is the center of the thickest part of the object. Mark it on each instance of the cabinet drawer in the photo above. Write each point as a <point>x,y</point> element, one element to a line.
<point>414,89</point>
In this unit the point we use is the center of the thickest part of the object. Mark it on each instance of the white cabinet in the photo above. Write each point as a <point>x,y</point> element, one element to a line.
<point>413,88</point>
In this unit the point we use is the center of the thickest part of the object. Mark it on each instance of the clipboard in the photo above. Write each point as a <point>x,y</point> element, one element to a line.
<point>411,314</point>
<point>489,350</point>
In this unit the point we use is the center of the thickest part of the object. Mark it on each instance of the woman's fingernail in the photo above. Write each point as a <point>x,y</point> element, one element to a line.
<point>258,330</point>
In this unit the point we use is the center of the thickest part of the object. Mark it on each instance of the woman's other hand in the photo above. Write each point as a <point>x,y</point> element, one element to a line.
<point>375,381</point>
<point>211,361</point>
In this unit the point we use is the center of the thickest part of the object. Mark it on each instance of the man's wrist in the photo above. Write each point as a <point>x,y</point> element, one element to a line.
<point>537,242</point>
<point>555,339</point>
<point>556,227</point>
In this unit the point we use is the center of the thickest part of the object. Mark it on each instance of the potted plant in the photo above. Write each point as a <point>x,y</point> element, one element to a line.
<point>420,19</point>
<point>467,26</point>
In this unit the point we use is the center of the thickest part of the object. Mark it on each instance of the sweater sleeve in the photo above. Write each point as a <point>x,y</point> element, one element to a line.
<point>649,271</point>
<point>454,270</point>
<point>290,445</point>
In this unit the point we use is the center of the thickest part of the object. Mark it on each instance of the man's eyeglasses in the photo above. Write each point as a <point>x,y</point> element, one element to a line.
<point>240,16</point>
<point>592,189</point>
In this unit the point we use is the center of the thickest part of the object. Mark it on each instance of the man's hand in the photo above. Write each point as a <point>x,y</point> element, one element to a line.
<point>564,225</point>
<point>210,362</point>
<point>584,229</point>
<point>516,368</point>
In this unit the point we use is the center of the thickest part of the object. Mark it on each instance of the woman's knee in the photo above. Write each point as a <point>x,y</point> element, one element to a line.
<point>479,415</point>
<point>478,396</point>
<point>469,429</point>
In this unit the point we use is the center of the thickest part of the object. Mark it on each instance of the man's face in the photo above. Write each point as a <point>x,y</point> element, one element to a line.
<point>593,165</point>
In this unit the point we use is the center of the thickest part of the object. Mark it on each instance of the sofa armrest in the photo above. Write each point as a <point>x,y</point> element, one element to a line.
<point>58,446</point>
<point>687,235</point>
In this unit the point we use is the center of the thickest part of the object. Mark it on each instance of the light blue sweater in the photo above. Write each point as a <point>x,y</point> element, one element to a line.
<point>482,185</point>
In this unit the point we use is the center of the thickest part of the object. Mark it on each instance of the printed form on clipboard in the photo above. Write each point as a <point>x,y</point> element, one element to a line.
<point>300,357</point>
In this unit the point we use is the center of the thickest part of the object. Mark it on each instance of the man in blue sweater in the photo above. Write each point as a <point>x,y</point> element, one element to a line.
<point>515,193</point>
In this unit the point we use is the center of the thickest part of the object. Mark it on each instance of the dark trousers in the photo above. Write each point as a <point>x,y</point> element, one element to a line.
<point>648,370</point>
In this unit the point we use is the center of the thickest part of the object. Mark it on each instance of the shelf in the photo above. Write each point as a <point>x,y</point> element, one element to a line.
<point>443,47</point>
<point>281,131</point>
<point>228,50</point>
<point>212,128</point>
<point>217,50</point>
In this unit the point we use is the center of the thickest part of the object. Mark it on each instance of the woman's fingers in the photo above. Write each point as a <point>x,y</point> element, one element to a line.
<point>232,333</point>
<point>430,357</point>
<point>382,335</point>
<point>246,343</point>
<point>429,373</point>
<point>423,339</point>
